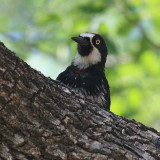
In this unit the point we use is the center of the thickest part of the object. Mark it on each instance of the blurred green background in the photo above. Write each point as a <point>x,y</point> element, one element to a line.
<point>40,32</point>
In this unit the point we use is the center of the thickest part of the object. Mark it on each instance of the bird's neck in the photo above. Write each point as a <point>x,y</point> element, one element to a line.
<point>97,67</point>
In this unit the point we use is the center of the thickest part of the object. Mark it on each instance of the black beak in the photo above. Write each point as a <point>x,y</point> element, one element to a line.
<point>81,40</point>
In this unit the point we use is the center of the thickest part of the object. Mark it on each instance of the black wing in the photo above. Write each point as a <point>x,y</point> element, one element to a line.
<point>97,85</point>
<point>67,77</point>
<point>90,84</point>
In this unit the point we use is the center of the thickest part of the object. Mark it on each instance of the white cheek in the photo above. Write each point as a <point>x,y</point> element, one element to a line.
<point>94,57</point>
<point>83,62</point>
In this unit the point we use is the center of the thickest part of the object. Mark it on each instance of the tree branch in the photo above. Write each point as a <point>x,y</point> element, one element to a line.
<point>43,119</point>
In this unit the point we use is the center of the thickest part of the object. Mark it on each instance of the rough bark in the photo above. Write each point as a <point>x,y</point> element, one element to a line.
<point>43,119</point>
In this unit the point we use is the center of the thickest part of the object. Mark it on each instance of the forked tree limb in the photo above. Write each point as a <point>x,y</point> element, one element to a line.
<point>43,119</point>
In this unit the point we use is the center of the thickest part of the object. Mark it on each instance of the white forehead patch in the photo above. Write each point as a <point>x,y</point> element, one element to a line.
<point>90,35</point>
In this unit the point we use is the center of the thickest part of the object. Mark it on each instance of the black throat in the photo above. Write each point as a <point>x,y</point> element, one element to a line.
<point>84,50</point>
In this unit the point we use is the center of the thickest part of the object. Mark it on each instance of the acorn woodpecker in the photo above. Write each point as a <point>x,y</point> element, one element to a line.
<point>86,73</point>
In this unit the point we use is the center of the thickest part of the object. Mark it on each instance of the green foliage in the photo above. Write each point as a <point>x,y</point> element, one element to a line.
<point>40,31</point>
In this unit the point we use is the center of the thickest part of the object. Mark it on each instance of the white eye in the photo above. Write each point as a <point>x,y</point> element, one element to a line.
<point>97,41</point>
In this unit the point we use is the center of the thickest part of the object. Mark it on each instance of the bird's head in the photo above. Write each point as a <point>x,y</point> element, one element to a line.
<point>91,50</point>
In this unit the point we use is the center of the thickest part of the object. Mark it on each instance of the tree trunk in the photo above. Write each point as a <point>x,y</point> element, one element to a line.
<point>43,119</point>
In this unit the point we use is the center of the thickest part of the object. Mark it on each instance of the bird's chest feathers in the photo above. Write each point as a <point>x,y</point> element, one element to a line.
<point>81,73</point>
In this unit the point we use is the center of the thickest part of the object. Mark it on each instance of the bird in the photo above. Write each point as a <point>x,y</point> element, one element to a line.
<point>86,74</point>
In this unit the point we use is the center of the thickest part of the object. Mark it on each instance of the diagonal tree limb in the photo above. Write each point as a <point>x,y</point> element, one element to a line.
<point>43,119</point>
